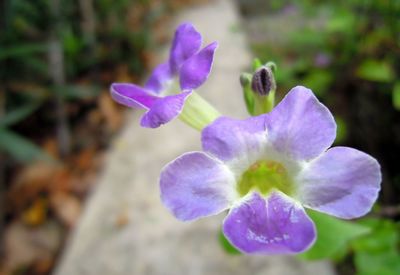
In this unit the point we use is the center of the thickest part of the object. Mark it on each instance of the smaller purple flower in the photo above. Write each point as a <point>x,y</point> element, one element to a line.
<point>163,100</point>
<point>266,169</point>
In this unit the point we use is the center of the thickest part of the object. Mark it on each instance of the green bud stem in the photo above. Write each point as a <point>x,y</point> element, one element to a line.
<point>263,104</point>
<point>197,112</point>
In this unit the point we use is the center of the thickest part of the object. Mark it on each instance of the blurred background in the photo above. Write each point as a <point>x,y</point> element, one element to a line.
<point>58,58</point>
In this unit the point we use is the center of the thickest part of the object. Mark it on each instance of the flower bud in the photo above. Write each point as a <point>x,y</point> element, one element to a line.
<point>245,79</point>
<point>245,82</point>
<point>263,81</point>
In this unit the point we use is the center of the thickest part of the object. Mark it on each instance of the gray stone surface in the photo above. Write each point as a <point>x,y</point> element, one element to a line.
<point>126,230</point>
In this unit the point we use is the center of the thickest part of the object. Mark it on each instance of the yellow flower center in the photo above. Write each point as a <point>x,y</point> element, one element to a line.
<point>264,176</point>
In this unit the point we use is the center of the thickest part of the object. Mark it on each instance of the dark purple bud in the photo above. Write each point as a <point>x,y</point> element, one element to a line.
<point>263,81</point>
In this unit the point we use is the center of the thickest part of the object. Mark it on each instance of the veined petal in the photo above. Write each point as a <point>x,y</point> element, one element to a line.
<point>195,70</point>
<point>164,110</point>
<point>159,78</point>
<point>187,41</point>
<point>300,126</point>
<point>196,185</point>
<point>228,138</point>
<point>276,225</point>
<point>342,182</point>
<point>132,95</point>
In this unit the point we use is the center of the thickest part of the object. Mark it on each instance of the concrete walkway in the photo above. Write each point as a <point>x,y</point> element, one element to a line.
<point>126,230</point>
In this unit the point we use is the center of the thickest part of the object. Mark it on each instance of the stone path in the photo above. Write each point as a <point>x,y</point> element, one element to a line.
<point>126,230</point>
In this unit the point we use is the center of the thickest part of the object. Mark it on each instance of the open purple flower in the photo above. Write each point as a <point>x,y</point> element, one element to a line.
<point>162,100</point>
<point>265,169</point>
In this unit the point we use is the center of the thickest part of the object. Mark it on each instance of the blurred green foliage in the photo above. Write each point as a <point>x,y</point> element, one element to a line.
<point>374,243</point>
<point>354,40</point>
<point>27,26</point>
<point>378,252</point>
<point>333,235</point>
<point>95,36</point>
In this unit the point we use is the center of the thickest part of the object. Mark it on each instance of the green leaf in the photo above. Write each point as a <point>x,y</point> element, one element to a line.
<point>332,236</point>
<point>21,148</point>
<point>376,70</point>
<point>377,252</point>
<point>226,245</point>
<point>385,263</point>
<point>384,236</point>
<point>396,96</point>
<point>19,114</point>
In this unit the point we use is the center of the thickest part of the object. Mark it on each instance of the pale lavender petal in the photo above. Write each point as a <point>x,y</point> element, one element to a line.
<point>196,185</point>
<point>300,126</point>
<point>196,69</point>
<point>164,110</point>
<point>187,41</point>
<point>132,95</point>
<point>159,78</point>
<point>228,138</point>
<point>342,182</point>
<point>276,225</point>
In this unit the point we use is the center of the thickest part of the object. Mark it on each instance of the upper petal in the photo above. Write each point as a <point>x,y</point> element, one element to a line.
<point>228,138</point>
<point>196,69</point>
<point>276,225</point>
<point>187,42</point>
<point>159,78</point>
<point>342,182</point>
<point>300,126</point>
<point>132,95</point>
<point>196,185</point>
<point>164,110</point>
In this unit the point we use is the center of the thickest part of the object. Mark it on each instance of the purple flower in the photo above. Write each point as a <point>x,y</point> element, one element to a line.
<point>266,169</point>
<point>162,100</point>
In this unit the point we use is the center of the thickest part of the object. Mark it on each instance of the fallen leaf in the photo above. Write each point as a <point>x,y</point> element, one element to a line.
<point>25,245</point>
<point>30,181</point>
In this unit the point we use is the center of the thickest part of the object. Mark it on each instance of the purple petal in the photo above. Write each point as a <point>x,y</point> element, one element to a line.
<point>187,42</point>
<point>195,185</point>
<point>159,78</point>
<point>342,182</point>
<point>132,95</point>
<point>276,225</point>
<point>164,110</point>
<point>229,138</point>
<point>196,69</point>
<point>300,126</point>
